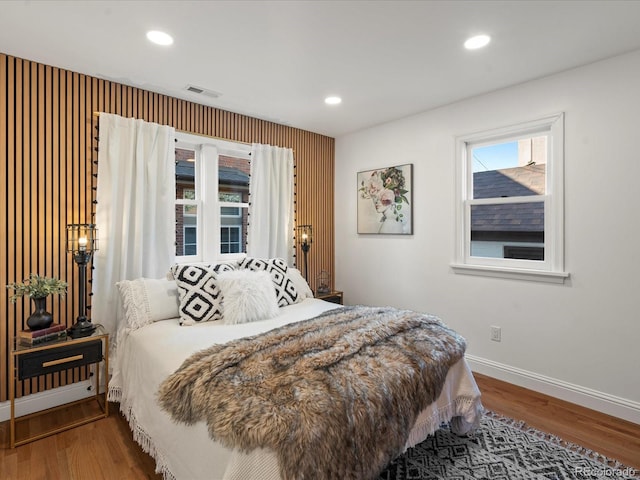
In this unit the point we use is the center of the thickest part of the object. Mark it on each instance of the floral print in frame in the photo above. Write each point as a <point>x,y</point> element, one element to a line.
<point>385,200</point>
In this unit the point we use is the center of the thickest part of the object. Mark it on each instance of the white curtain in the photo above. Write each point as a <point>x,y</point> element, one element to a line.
<point>271,215</point>
<point>135,214</point>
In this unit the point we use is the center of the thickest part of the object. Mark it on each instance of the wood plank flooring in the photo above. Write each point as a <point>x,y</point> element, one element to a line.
<point>105,450</point>
<point>607,435</point>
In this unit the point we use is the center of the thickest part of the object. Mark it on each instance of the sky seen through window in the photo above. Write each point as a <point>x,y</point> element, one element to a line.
<point>495,157</point>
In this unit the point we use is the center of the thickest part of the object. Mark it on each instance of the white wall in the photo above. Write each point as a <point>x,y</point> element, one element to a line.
<point>580,340</point>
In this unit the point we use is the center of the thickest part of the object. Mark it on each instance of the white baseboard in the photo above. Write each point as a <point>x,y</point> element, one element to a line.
<point>47,399</point>
<point>602,402</point>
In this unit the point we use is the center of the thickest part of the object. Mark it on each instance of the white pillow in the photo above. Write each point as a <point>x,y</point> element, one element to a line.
<point>304,291</point>
<point>148,300</point>
<point>247,296</point>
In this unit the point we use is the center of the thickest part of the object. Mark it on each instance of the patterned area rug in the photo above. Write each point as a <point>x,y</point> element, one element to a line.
<point>502,449</point>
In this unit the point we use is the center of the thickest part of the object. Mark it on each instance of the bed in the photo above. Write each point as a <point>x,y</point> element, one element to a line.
<point>148,354</point>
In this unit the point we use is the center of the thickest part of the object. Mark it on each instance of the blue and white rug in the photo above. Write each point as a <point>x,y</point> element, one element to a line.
<point>503,449</point>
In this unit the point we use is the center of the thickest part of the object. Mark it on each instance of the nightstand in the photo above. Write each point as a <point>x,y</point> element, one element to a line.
<point>334,296</point>
<point>33,361</point>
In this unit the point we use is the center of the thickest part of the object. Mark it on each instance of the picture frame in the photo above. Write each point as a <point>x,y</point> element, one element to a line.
<point>385,200</point>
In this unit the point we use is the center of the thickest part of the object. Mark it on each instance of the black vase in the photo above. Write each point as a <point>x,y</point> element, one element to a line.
<point>40,318</point>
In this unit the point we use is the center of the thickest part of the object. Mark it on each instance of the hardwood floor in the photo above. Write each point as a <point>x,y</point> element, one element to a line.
<point>102,450</point>
<point>105,449</point>
<point>607,435</point>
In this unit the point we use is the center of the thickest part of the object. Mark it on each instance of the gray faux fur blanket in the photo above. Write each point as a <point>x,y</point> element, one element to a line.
<point>334,396</point>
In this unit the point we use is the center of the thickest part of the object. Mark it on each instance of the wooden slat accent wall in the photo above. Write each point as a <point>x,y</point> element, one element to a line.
<point>47,145</point>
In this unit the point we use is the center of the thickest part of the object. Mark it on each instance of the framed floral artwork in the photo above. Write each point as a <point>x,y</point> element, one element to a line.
<point>385,200</point>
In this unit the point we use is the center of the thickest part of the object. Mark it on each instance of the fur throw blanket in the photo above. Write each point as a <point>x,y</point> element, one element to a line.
<point>334,396</point>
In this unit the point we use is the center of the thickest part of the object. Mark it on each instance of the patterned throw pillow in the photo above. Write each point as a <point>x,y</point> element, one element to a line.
<point>277,267</point>
<point>200,296</point>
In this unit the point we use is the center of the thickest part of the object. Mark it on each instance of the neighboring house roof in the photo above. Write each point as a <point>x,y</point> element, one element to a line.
<point>185,170</point>
<point>509,182</point>
<point>232,176</point>
<point>226,176</point>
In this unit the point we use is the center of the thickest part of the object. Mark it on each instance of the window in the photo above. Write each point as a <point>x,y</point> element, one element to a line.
<point>230,240</point>
<point>510,202</point>
<point>212,198</point>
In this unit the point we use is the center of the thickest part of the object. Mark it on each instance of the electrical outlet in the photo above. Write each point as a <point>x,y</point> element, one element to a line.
<point>496,333</point>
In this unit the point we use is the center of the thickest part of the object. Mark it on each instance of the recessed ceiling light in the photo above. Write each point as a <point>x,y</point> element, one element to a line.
<point>332,100</point>
<point>476,42</point>
<point>159,37</point>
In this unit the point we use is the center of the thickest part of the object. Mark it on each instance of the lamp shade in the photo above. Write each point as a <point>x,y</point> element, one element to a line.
<point>304,234</point>
<point>82,237</point>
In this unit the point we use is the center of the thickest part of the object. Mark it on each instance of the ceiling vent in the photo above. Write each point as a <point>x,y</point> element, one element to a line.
<point>202,91</point>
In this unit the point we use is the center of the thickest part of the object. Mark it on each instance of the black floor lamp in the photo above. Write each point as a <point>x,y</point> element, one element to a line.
<point>305,238</point>
<point>82,241</point>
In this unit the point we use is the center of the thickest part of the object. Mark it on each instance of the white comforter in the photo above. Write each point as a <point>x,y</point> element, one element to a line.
<point>148,355</point>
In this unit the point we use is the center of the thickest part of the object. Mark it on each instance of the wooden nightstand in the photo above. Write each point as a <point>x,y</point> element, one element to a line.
<point>334,296</point>
<point>32,361</point>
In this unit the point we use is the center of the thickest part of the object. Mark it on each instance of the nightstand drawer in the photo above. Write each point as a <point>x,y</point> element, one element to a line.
<point>53,360</point>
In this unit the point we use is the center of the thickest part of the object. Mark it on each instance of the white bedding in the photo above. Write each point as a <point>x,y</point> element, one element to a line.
<point>150,354</point>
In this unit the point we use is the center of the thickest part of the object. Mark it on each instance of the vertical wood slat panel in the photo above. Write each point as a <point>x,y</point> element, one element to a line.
<point>48,148</point>
<point>18,201</point>
<point>5,174</point>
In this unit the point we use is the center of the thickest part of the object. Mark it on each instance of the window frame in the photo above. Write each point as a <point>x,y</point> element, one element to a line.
<point>551,269</point>
<point>209,218</point>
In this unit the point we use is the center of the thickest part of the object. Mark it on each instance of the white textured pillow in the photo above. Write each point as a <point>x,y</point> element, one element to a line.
<point>148,300</point>
<point>247,296</point>
<point>304,291</point>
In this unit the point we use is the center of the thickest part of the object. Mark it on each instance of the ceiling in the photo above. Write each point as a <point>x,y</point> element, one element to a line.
<point>278,60</point>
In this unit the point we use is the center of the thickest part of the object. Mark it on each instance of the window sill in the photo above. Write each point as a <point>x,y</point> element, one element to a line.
<point>511,273</point>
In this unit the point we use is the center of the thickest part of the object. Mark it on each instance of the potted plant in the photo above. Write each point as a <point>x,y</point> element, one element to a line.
<point>38,288</point>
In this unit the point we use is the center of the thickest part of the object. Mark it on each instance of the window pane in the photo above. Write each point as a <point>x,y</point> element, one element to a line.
<point>232,240</point>
<point>233,186</point>
<point>510,169</point>
<point>235,197</point>
<point>512,230</point>
<point>233,179</point>
<point>190,236</point>
<point>230,211</point>
<point>185,173</point>
<point>233,231</point>
<point>186,230</point>
<point>190,240</point>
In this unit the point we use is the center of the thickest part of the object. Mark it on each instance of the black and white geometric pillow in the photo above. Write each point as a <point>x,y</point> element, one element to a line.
<point>199,292</point>
<point>285,289</point>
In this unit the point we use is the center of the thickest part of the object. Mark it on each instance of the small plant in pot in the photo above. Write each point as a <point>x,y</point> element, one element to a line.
<point>38,289</point>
